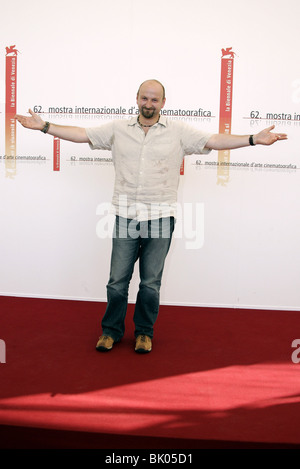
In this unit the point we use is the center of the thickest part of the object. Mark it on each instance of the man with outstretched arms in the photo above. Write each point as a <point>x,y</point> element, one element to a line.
<point>147,152</point>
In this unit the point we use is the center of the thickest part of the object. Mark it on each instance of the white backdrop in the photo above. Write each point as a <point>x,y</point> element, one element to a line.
<point>237,242</point>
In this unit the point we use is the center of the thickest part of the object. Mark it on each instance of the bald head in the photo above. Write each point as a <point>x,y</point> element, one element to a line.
<point>152,83</point>
<point>150,100</point>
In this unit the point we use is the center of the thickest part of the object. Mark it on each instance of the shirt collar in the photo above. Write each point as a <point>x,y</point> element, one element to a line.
<point>162,121</point>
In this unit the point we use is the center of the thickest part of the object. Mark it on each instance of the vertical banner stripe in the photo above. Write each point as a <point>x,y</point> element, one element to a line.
<point>182,168</point>
<point>226,93</point>
<point>10,106</point>
<point>56,154</point>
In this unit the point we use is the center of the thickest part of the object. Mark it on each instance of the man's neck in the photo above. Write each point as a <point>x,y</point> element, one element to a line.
<point>147,123</point>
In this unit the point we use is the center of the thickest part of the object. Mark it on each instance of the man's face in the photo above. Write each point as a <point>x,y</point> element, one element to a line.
<point>150,100</point>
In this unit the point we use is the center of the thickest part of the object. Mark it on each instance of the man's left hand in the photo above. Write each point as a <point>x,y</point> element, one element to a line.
<point>266,137</point>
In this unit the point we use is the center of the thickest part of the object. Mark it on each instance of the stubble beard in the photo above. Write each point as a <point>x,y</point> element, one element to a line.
<point>147,113</point>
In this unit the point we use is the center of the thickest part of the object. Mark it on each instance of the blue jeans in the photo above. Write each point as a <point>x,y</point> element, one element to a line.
<point>149,242</point>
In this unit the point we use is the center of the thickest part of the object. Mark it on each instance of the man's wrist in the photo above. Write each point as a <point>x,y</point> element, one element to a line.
<point>45,127</point>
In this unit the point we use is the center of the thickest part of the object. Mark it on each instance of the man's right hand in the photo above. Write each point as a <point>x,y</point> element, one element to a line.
<point>34,122</point>
<point>65,132</point>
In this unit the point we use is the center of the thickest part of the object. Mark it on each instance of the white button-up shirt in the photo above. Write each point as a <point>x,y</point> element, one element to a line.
<point>147,166</point>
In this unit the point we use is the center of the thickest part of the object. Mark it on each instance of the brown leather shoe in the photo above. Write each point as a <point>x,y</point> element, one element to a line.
<point>143,344</point>
<point>105,343</point>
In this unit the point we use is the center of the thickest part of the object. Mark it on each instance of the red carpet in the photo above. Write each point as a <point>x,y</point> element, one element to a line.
<point>216,378</point>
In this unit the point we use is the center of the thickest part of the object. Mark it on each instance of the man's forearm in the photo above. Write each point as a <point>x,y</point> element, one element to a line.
<point>68,132</point>
<point>228,141</point>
